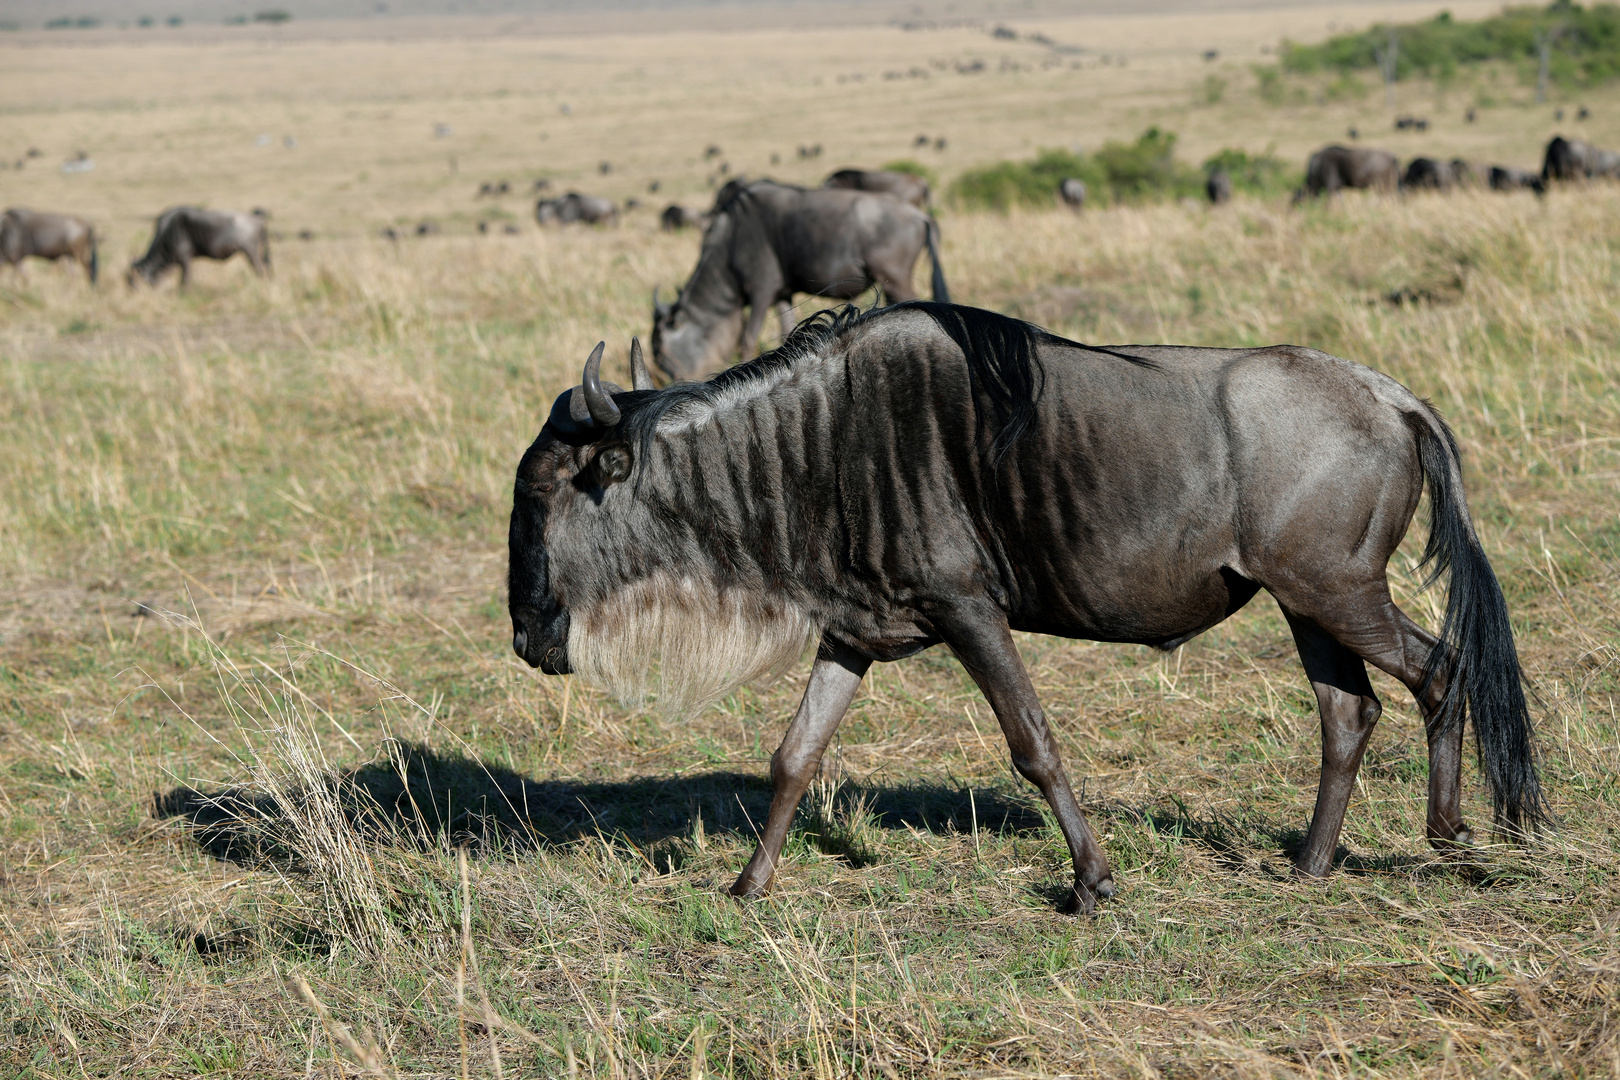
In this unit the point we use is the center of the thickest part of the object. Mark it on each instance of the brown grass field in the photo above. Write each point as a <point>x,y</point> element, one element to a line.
<point>252,545</point>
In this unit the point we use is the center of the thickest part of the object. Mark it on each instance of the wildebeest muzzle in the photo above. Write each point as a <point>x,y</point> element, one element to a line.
<point>542,642</point>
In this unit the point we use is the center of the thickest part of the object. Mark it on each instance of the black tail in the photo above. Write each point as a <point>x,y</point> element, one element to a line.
<point>941,293</point>
<point>94,269</point>
<point>1476,653</point>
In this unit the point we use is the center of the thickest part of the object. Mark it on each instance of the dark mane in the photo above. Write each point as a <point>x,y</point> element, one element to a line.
<point>999,350</point>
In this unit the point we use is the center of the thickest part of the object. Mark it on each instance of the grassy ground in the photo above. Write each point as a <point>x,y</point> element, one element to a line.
<point>251,542</point>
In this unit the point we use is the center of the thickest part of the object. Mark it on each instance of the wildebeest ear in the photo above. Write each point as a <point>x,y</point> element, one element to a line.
<point>612,464</point>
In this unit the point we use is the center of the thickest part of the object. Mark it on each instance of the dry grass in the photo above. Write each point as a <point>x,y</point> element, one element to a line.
<point>251,542</point>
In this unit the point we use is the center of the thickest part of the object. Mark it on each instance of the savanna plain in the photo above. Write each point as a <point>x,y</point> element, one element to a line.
<point>277,800</point>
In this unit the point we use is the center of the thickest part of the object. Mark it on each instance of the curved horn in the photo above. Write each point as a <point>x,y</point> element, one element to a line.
<point>639,377</point>
<point>600,403</point>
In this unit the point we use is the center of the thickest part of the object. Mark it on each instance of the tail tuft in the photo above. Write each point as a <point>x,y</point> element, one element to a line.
<point>1476,654</point>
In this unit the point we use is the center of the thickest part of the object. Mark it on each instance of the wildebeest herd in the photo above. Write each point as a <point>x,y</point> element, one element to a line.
<point>925,473</point>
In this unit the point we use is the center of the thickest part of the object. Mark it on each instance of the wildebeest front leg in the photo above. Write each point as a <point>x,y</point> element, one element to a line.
<point>1349,710</point>
<point>984,644</point>
<point>748,341</point>
<point>834,679</point>
<point>784,313</point>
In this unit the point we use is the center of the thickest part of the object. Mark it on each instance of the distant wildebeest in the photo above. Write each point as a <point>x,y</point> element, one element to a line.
<point>1426,173</point>
<point>494,189</point>
<point>1218,186</point>
<point>1411,123</point>
<point>767,241</point>
<point>1073,193</point>
<point>676,217</point>
<point>48,236</point>
<point>1334,168</point>
<point>903,186</point>
<point>1507,178</point>
<point>183,233</point>
<point>928,474</point>
<point>1573,159</point>
<point>572,207</point>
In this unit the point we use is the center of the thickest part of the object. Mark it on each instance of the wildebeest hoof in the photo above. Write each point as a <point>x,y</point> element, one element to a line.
<point>1455,844</point>
<point>1081,900</point>
<point>743,889</point>
<point>1104,889</point>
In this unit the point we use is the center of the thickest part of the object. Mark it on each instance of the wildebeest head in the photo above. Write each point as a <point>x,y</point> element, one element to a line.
<point>602,584</point>
<point>688,341</point>
<point>575,458</point>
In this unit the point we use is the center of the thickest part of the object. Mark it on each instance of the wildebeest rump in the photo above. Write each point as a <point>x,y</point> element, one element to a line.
<point>1575,159</point>
<point>1072,191</point>
<point>676,217</point>
<point>574,207</point>
<point>48,236</point>
<point>1334,168</point>
<point>183,233</point>
<point>932,474</point>
<point>903,186</point>
<point>766,241</point>
<point>1218,186</point>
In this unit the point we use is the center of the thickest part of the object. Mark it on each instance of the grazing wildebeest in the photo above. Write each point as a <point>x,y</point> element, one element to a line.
<point>48,236</point>
<point>1507,178</point>
<point>929,474</point>
<point>1218,186</point>
<point>1334,168</point>
<point>1073,193</point>
<point>183,233</point>
<point>1422,172</point>
<point>572,207</point>
<point>766,241</point>
<point>903,186</point>
<point>676,217</point>
<point>1573,159</point>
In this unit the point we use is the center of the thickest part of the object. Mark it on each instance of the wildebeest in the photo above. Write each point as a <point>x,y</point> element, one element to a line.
<point>676,217</point>
<point>1333,168</point>
<point>1073,193</point>
<point>183,233</point>
<point>1572,159</point>
<point>1507,178</point>
<point>572,207</point>
<point>1218,186</point>
<point>48,236</point>
<point>928,474</point>
<point>766,241</point>
<point>1422,172</point>
<point>903,186</point>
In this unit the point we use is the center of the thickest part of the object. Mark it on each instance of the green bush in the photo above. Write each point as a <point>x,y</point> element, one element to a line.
<point>912,168</point>
<point>1260,174</point>
<point>1118,172</point>
<point>1585,51</point>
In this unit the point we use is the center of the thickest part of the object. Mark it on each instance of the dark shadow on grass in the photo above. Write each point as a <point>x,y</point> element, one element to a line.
<point>424,798</point>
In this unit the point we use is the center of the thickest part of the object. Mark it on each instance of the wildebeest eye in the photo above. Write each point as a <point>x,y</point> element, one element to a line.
<point>544,485</point>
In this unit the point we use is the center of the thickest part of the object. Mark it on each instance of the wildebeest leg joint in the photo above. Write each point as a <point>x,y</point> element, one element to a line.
<point>833,681</point>
<point>982,641</point>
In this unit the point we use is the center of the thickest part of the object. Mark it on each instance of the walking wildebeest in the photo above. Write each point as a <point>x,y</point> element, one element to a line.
<point>1507,178</point>
<point>1218,186</point>
<point>766,241</point>
<point>183,233</point>
<point>676,217</point>
<point>903,186</point>
<point>1073,193</point>
<point>590,209</point>
<point>1333,168</point>
<point>48,236</point>
<point>1422,172</point>
<point>928,474</point>
<point>1572,159</point>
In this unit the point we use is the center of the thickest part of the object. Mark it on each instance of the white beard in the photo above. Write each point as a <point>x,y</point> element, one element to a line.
<point>708,642</point>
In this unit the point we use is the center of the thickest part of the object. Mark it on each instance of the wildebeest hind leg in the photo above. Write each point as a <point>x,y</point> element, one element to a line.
<point>1381,634</point>
<point>834,679</point>
<point>984,644</point>
<point>1349,710</point>
<point>784,314</point>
